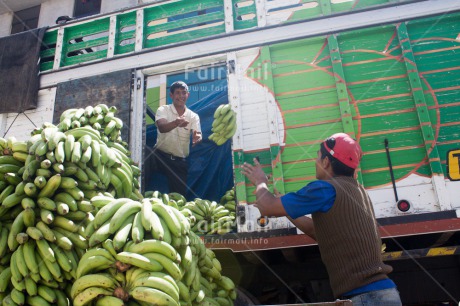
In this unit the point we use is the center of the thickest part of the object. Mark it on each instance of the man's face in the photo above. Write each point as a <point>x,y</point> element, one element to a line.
<point>179,97</point>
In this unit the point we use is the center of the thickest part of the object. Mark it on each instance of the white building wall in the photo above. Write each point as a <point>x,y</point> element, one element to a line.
<point>52,9</point>
<point>20,125</point>
<point>5,24</point>
<point>108,6</point>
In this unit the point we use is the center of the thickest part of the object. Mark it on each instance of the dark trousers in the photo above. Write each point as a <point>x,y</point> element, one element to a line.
<point>173,167</point>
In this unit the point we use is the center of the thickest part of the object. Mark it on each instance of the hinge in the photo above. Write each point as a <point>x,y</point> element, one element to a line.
<point>241,214</point>
<point>231,66</point>
<point>138,83</point>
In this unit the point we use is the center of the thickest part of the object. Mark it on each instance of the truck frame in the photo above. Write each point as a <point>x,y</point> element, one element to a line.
<point>384,71</point>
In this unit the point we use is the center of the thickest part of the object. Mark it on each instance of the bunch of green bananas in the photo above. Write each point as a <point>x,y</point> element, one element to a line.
<point>224,124</point>
<point>211,217</point>
<point>228,200</point>
<point>46,183</point>
<point>39,247</point>
<point>206,217</point>
<point>143,253</point>
<point>100,117</point>
<point>173,199</point>
<point>74,228</point>
<point>81,154</point>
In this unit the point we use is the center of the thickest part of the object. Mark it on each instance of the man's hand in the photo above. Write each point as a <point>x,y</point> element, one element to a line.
<point>196,138</point>
<point>181,121</point>
<point>254,173</point>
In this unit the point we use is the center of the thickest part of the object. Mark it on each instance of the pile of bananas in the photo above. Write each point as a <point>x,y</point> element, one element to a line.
<point>224,124</point>
<point>47,183</point>
<point>228,200</point>
<point>73,222</point>
<point>144,252</point>
<point>206,217</point>
<point>211,217</point>
<point>101,118</point>
<point>40,242</point>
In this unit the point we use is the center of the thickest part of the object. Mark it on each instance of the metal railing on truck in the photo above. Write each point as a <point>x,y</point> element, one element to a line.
<point>165,23</point>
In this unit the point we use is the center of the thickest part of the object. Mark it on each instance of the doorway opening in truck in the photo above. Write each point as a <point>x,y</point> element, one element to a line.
<point>210,172</point>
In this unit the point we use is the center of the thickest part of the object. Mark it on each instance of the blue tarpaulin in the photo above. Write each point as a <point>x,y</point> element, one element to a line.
<point>210,166</point>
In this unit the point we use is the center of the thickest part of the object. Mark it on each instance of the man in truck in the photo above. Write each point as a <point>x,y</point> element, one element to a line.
<point>175,123</point>
<point>342,222</point>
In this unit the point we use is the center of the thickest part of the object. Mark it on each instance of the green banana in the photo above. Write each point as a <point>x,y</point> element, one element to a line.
<point>68,147</point>
<point>153,296</point>
<point>139,260</point>
<point>169,217</point>
<point>47,294</point>
<point>155,246</point>
<point>16,227</point>
<point>158,281</point>
<point>47,233</point>
<point>107,211</point>
<point>51,186</point>
<point>122,213</point>
<point>88,295</point>
<point>122,233</point>
<point>92,264</point>
<point>92,280</point>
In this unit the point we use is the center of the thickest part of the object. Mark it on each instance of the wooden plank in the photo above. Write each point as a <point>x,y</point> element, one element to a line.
<point>59,49</point>
<point>228,11</point>
<point>139,44</point>
<point>424,119</point>
<point>112,36</point>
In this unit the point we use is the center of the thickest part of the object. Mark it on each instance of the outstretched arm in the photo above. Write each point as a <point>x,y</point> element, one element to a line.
<point>266,202</point>
<point>165,126</point>
<point>305,224</point>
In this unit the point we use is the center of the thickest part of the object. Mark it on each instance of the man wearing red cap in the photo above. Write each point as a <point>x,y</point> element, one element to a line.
<point>343,222</point>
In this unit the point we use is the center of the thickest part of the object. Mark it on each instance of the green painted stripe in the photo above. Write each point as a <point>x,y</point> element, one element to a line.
<point>47,53</point>
<point>178,8</point>
<point>46,66</point>
<point>309,116</point>
<point>85,58</point>
<point>238,23</point>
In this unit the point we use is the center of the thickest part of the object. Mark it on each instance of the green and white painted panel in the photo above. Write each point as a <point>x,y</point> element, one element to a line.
<point>244,14</point>
<point>282,11</point>
<point>173,22</point>
<point>384,102</point>
<point>85,42</point>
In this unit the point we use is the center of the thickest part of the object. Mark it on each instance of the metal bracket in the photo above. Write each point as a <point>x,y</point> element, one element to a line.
<point>241,214</point>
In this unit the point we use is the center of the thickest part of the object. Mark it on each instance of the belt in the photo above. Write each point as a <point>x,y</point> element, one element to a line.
<point>170,156</point>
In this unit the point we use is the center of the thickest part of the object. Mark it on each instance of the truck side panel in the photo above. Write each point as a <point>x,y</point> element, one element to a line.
<point>376,83</point>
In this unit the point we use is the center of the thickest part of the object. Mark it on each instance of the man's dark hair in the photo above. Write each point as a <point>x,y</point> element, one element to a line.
<point>338,167</point>
<point>178,84</point>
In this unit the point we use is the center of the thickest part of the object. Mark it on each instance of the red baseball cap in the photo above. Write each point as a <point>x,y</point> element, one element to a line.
<point>346,150</point>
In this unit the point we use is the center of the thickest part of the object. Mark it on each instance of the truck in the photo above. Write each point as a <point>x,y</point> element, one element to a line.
<point>385,72</point>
